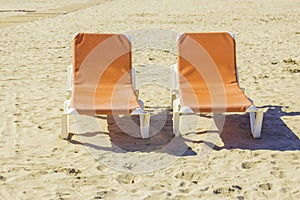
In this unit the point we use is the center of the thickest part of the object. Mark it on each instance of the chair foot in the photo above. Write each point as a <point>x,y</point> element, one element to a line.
<point>145,125</point>
<point>65,131</point>
<point>256,119</point>
<point>173,98</point>
<point>176,116</point>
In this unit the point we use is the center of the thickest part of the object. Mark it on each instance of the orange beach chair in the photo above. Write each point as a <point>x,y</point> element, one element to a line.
<point>205,79</point>
<point>102,80</point>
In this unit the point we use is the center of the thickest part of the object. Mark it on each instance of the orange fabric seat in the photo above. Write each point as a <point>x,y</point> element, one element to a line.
<point>101,80</point>
<point>206,79</point>
<point>207,73</point>
<point>201,100</point>
<point>102,75</point>
<point>107,101</point>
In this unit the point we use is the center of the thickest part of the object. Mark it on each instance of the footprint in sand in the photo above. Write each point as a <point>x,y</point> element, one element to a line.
<point>265,186</point>
<point>248,164</point>
<point>278,174</point>
<point>100,167</point>
<point>71,171</point>
<point>224,190</point>
<point>184,190</point>
<point>2,178</point>
<point>227,190</point>
<point>103,194</point>
<point>193,176</point>
<point>127,178</point>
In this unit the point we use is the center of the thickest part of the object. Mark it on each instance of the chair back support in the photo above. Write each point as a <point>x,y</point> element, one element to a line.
<point>102,73</point>
<point>207,72</point>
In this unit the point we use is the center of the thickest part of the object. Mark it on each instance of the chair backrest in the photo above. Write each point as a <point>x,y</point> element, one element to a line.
<point>101,59</point>
<point>207,59</point>
<point>101,73</point>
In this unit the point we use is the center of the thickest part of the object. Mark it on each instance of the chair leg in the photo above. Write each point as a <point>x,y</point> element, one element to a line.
<point>67,105</point>
<point>173,97</point>
<point>176,122</point>
<point>65,123</point>
<point>258,124</point>
<point>141,104</point>
<point>137,92</point>
<point>252,121</point>
<point>144,125</point>
<point>65,120</point>
<point>256,119</point>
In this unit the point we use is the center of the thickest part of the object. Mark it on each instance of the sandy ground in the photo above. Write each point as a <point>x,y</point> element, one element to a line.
<point>101,161</point>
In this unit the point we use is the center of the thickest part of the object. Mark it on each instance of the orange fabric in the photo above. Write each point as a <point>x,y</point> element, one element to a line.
<point>207,73</point>
<point>102,74</point>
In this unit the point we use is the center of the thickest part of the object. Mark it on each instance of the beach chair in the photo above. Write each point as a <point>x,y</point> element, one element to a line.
<point>205,79</point>
<point>101,80</point>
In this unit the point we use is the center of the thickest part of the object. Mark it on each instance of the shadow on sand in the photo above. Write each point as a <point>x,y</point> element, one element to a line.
<point>124,133</point>
<point>276,135</point>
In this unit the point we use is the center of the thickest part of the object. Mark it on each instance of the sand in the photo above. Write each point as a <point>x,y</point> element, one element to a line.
<point>103,162</point>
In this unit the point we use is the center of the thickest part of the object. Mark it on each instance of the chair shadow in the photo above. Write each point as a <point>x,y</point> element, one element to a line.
<point>124,133</point>
<point>275,134</point>
<point>235,134</point>
<point>129,139</point>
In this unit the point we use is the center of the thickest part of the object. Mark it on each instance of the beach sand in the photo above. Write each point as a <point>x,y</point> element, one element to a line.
<point>103,162</point>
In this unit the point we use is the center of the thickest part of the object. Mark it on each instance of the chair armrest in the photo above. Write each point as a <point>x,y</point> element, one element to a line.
<point>174,93</point>
<point>237,76</point>
<point>133,81</point>
<point>70,82</point>
<point>174,79</point>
